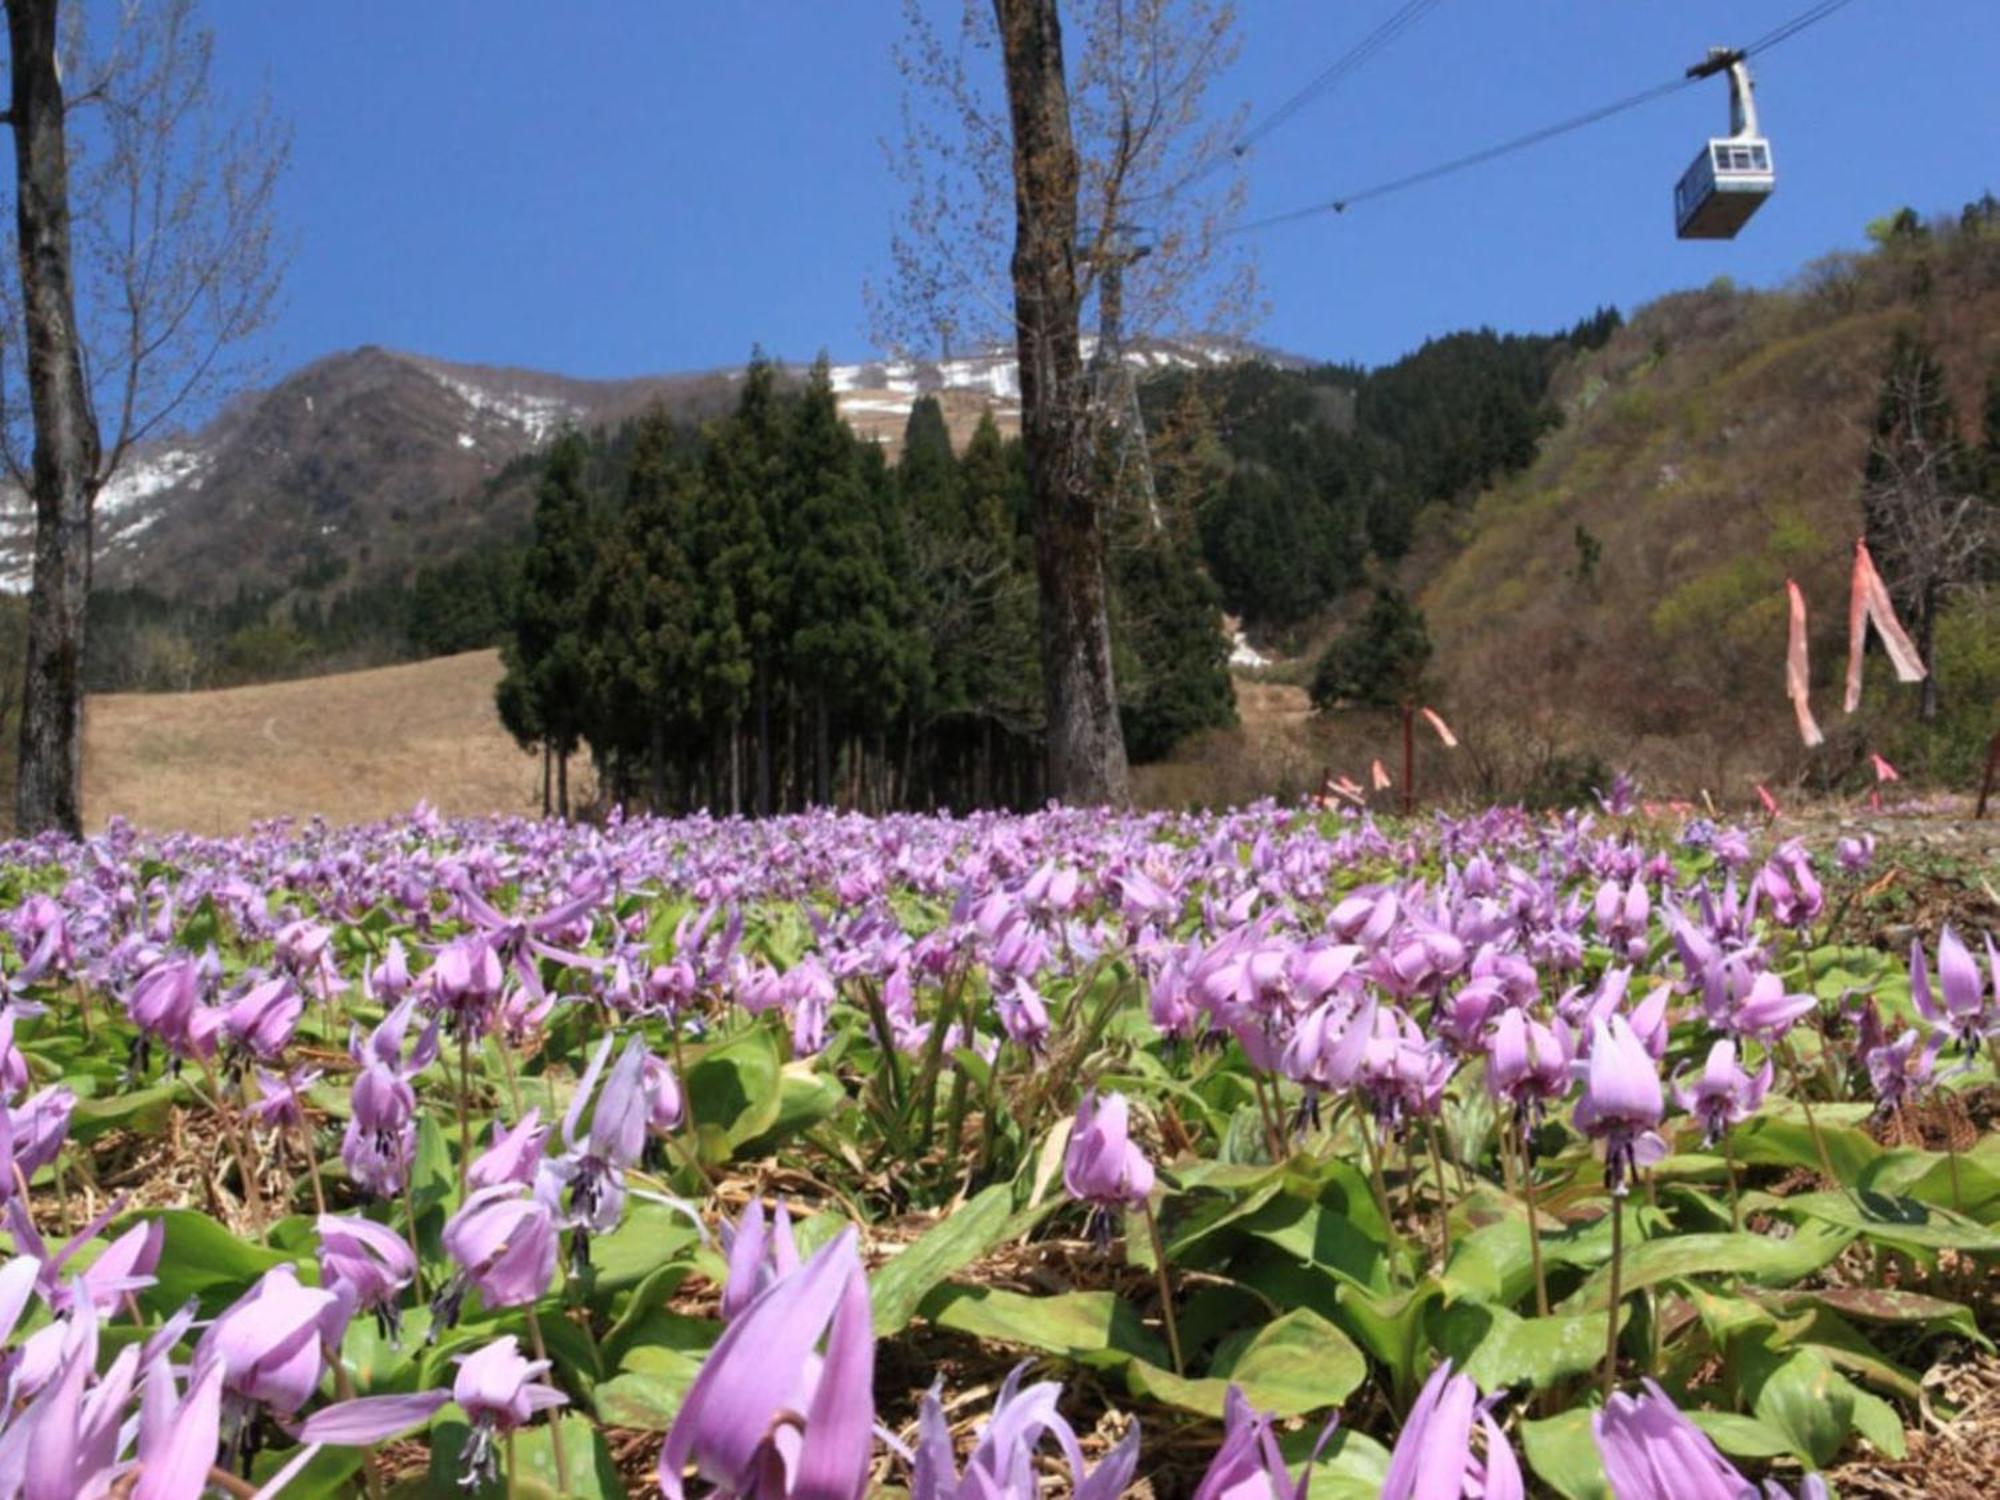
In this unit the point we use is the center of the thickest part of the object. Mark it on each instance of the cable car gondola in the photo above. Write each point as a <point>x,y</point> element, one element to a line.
<point>1733,175</point>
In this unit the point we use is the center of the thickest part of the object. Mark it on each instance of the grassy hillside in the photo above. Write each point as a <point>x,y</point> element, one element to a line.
<point>353,747</point>
<point>1623,597</point>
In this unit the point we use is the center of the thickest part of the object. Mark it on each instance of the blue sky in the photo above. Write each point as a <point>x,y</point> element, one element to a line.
<point>619,186</point>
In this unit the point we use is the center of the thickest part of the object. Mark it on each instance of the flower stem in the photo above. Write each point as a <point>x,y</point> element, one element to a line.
<point>253,1197</point>
<point>1735,1196</point>
<point>513,1467</point>
<point>507,1067</point>
<point>1381,1186</point>
<point>464,1107</point>
<point>1611,1318</point>
<point>305,1145</point>
<point>1444,1204</point>
<point>1166,1289</point>
<point>555,1413</point>
<point>1534,1234</point>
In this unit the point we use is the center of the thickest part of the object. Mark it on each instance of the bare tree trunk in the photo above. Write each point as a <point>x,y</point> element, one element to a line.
<point>1086,747</point>
<point>49,793</point>
<point>548,774</point>
<point>562,786</point>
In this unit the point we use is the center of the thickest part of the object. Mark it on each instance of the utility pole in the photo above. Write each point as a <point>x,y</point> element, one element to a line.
<point>1113,387</point>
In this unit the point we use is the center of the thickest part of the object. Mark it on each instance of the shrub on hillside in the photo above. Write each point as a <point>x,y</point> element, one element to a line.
<point>1380,661</point>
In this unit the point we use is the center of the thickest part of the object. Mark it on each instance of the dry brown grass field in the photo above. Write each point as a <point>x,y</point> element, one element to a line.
<point>354,747</point>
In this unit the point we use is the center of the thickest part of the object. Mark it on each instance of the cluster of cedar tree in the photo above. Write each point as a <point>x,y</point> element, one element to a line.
<point>762,614</point>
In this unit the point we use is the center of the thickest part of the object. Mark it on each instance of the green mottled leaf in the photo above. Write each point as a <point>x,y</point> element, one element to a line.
<point>1498,1348</point>
<point>1078,1325</point>
<point>1903,1223</point>
<point>734,1090</point>
<point>1564,1456</point>
<point>947,1247</point>
<point>1739,1436</point>
<point>652,1236</point>
<point>1296,1364</point>
<point>1751,1256</point>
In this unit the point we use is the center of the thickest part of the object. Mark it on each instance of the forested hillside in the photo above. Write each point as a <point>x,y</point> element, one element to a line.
<point>1621,600</point>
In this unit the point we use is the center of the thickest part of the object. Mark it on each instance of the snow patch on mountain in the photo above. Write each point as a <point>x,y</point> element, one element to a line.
<point>540,417</point>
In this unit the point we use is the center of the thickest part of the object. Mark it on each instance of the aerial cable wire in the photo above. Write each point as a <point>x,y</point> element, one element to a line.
<point>1806,18</point>
<point>1354,58</point>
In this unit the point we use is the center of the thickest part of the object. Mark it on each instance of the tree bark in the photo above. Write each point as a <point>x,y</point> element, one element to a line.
<point>49,792</point>
<point>1086,746</point>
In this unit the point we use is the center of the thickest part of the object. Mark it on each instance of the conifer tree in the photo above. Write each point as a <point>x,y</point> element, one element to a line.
<point>547,650</point>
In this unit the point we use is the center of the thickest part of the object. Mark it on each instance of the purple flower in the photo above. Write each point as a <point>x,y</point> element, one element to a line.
<point>1433,1458</point>
<point>1725,1094</point>
<point>1530,1064</point>
<point>1248,1465</point>
<point>381,1135</point>
<point>1652,1452</point>
<point>1855,855</point>
<point>1765,1009</point>
<point>178,1432</point>
<point>514,1156</point>
<point>1003,1462</point>
<point>1959,1008</point>
<point>280,1101</point>
<point>664,1103</point>
<point>32,1135</point>
<point>262,1020</point>
<point>366,1266</point>
<point>1102,1165</point>
<point>1621,1104</point>
<point>498,1391</point>
<point>504,1240</point>
<point>756,1259</point>
<point>268,1341</point>
<point>593,1167</point>
<point>768,1418</point>
<point>13,1066</point>
<point>1788,884</point>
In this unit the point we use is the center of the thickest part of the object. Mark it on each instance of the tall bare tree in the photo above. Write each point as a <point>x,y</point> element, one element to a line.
<point>145,255</point>
<point>1928,525</point>
<point>1117,147</point>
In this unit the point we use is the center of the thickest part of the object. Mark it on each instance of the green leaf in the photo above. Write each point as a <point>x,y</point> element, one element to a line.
<point>805,1097</point>
<point>142,1110</point>
<point>1296,1364</point>
<point>328,1474</point>
<point>1901,1223</point>
<point>377,1366</point>
<point>1751,1256</point>
<point>1323,1237</point>
<point>1739,1436</point>
<point>1779,1136</point>
<point>653,1235</point>
<point>734,1090</point>
<point>1872,1304</point>
<point>947,1247</point>
<point>1078,1325</point>
<point>1391,1328</point>
<point>1797,1393</point>
<point>201,1259</point>
<point>1352,1466</point>
<point>1498,1348</point>
<point>1564,1456</point>
<point>659,1365</point>
<point>433,1175</point>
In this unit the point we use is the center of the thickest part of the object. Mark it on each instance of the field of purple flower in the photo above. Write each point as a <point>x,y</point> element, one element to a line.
<point>995,1156</point>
